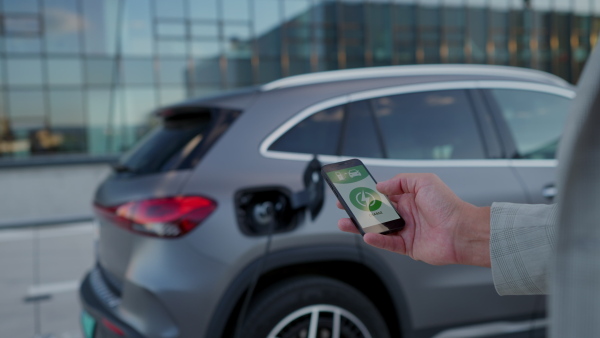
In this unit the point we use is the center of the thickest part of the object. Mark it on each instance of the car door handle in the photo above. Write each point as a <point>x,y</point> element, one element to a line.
<point>549,191</point>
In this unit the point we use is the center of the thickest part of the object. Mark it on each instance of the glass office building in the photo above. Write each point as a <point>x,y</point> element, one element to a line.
<point>79,78</point>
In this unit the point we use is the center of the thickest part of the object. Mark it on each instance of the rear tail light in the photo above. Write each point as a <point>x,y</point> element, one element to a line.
<point>114,328</point>
<point>162,217</point>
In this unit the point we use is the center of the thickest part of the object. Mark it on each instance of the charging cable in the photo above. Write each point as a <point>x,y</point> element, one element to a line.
<point>258,271</point>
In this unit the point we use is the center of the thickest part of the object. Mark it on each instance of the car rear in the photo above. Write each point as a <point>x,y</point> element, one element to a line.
<point>143,223</point>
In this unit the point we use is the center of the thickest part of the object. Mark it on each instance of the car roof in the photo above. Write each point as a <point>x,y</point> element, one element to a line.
<point>491,71</point>
<point>352,80</point>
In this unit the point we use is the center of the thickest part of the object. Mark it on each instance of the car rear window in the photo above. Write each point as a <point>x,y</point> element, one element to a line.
<point>178,143</point>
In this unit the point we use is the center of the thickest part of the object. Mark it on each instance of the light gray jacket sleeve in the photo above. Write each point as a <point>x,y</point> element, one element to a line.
<point>522,239</point>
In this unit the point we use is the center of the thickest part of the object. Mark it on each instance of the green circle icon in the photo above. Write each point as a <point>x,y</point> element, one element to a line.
<point>365,199</point>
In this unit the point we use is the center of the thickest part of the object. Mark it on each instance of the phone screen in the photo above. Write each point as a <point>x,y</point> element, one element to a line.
<point>358,189</point>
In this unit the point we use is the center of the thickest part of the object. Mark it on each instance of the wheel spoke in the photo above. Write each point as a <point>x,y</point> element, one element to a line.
<point>336,324</point>
<point>314,323</point>
<point>310,317</point>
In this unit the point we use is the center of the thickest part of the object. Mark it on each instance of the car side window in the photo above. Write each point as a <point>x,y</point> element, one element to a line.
<point>316,134</point>
<point>360,137</point>
<point>434,125</point>
<point>535,119</point>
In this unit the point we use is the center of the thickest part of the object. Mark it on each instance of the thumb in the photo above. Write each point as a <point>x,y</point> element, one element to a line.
<point>390,243</point>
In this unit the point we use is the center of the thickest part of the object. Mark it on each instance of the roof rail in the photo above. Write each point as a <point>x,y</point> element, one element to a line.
<point>413,70</point>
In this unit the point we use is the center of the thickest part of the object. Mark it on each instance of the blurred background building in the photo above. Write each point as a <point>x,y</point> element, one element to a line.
<point>79,78</point>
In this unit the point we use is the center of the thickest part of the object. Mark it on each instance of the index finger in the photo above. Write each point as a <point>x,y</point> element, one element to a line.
<point>405,183</point>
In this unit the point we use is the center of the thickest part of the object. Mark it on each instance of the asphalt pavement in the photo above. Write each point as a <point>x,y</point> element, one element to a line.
<point>40,272</point>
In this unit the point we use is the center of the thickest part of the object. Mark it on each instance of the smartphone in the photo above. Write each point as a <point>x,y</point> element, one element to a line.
<point>355,188</point>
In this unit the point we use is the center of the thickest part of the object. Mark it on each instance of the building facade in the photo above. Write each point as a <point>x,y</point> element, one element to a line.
<point>79,78</point>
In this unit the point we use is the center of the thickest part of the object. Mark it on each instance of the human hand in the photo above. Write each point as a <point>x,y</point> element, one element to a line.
<point>440,227</point>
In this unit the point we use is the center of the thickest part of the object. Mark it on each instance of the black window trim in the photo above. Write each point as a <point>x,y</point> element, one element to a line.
<point>376,126</point>
<point>488,131</point>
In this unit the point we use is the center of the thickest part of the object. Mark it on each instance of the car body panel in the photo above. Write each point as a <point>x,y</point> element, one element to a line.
<point>116,245</point>
<point>193,283</point>
<point>539,178</point>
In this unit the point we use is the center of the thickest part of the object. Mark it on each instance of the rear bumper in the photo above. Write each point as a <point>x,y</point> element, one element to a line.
<point>100,305</point>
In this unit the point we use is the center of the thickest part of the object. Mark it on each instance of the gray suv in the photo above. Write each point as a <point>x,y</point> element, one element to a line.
<point>217,223</point>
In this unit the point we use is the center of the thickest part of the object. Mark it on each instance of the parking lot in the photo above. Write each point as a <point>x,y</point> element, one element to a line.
<point>41,270</point>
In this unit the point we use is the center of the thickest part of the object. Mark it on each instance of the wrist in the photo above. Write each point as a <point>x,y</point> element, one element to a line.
<point>472,243</point>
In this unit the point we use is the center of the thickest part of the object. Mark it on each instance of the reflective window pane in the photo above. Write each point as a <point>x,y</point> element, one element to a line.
<point>541,5</point>
<point>205,9</point>
<point>237,41</point>
<point>67,120</point>
<point>404,39</point>
<point>297,10</point>
<point>205,30</point>
<point>380,35</point>
<point>170,95</point>
<point>27,108</point>
<point>22,25</point>
<point>206,72</point>
<point>64,71</point>
<point>535,119</point>
<point>8,141</point>
<point>23,45</point>
<point>22,72</point>
<point>436,125</point>
<point>99,129</point>
<point>100,28</point>
<point>66,108</point>
<point>499,39</point>
<point>62,26</point>
<point>269,69</point>
<point>172,48</point>
<point>266,16</point>
<point>171,30</point>
<point>169,8</point>
<point>173,71</point>
<point>428,35</point>
<point>138,71</point>
<point>560,45</point>
<point>235,9</point>
<point>239,72</point>
<point>299,66</point>
<point>317,134</point>
<point>476,35</point>
<point>201,91</point>
<point>20,6</point>
<point>239,32</point>
<point>206,49</point>
<point>139,105</point>
<point>100,71</point>
<point>138,28</point>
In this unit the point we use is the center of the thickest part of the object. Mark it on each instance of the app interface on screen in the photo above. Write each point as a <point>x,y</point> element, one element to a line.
<point>358,190</point>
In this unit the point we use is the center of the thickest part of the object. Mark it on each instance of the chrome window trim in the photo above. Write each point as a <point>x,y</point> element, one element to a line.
<point>405,89</point>
<point>533,163</point>
<point>535,87</point>
<point>411,70</point>
<point>415,88</point>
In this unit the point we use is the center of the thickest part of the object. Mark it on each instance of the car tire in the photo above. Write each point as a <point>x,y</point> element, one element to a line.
<point>285,310</point>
